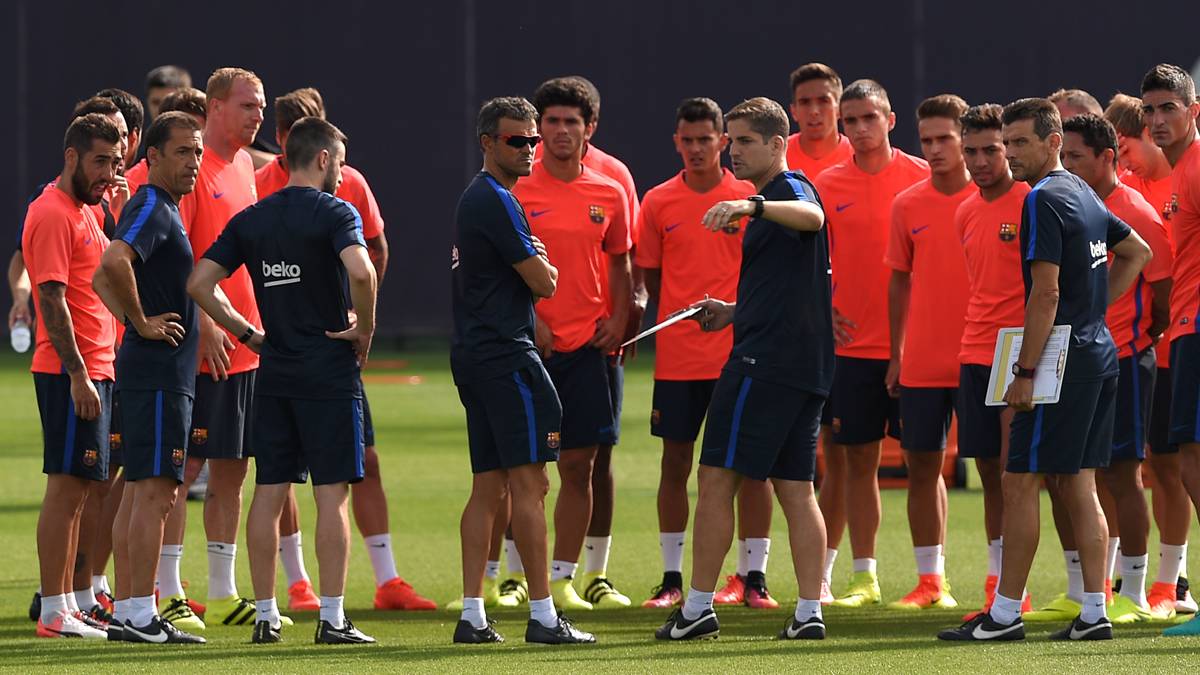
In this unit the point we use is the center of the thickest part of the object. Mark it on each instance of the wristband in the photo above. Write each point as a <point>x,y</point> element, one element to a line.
<point>247,335</point>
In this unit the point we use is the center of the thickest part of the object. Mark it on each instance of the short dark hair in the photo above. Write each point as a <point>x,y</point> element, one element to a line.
<point>1077,98</point>
<point>950,106</point>
<point>487,123</point>
<point>864,89</point>
<point>700,109</point>
<point>87,128</point>
<point>129,105</point>
<point>1044,114</point>
<point>982,117</point>
<point>593,92</point>
<point>168,76</point>
<point>160,129</point>
<point>307,138</point>
<point>1124,112</point>
<point>296,105</point>
<point>766,117</point>
<point>187,100</point>
<point>1097,132</point>
<point>1172,78</point>
<point>565,91</point>
<point>95,104</point>
<point>816,71</point>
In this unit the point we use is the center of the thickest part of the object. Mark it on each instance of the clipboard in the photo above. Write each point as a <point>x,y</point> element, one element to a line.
<point>669,321</point>
<point>1048,379</point>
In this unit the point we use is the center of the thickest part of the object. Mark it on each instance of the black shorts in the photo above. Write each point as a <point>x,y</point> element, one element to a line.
<point>979,429</point>
<point>221,420</point>
<point>1160,414</point>
<point>581,380</point>
<point>115,457</point>
<point>679,408</point>
<point>862,410</point>
<point>1064,437</point>
<point>72,446</point>
<point>368,423</point>
<point>1185,390</point>
<point>616,390</point>
<point>762,430</point>
<point>925,416</point>
<point>157,425</point>
<point>295,437</point>
<point>1135,396</point>
<point>512,420</point>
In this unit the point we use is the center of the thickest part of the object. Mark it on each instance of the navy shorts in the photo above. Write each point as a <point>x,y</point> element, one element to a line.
<point>512,420</point>
<point>72,446</point>
<point>862,409</point>
<point>762,430</point>
<point>157,425</point>
<point>1062,438</point>
<point>1160,414</point>
<point>115,457</point>
<point>368,423</point>
<point>679,408</point>
<point>581,380</point>
<point>221,421</point>
<point>925,415</point>
<point>1135,397</point>
<point>1185,390</point>
<point>296,437</point>
<point>979,428</point>
<point>616,390</point>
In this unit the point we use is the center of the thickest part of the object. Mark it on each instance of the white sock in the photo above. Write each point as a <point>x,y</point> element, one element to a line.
<point>1094,607</point>
<point>743,565</point>
<point>595,553</point>
<point>268,610</point>
<point>100,584</point>
<point>1114,546</point>
<point>1005,610</point>
<point>52,606</point>
<point>697,603</point>
<point>86,598</point>
<point>561,569</point>
<point>142,610</point>
<point>492,569</point>
<point>757,552</point>
<point>514,558</point>
<point>379,548</point>
<point>806,609</point>
<point>168,570</point>
<point>929,559</point>
<point>1170,563</point>
<point>221,557</point>
<point>542,611</point>
<point>1133,578</point>
<point>671,546</point>
<point>1074,575</point>
<point>332,612</point>
<point>120,611</point>
<point>291,554</point>
<point>864,565</point>
<point>995,557</point>
<point>72,606</point>
<point>830,558</point>
<point>472,612</point>
<point>1183,560</point>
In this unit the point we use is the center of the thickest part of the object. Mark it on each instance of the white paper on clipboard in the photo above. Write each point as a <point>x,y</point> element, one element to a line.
<point>1048,379</point>
<point>669,321</point>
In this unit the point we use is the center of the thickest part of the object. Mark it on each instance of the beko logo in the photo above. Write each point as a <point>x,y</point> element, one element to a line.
<point>280,273</point>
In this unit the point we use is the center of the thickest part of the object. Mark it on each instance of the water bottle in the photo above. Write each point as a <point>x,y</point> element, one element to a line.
<point>20,336</point>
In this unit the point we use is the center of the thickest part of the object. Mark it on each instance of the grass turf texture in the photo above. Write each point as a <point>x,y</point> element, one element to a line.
<point>422,445</point>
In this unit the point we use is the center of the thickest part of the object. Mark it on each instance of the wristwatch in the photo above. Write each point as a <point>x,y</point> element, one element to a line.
<point>247,335</point>
<point>759,201</point>
<point>1026,373</point>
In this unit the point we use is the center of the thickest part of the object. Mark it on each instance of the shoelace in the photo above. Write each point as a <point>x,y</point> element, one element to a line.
<point>599,588</point>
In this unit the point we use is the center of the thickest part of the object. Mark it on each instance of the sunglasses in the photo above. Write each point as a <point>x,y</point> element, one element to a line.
<point>519,141</point>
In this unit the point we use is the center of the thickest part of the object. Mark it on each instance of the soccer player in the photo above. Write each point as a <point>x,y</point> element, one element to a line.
<point>143,278</point>
<point>62,242</point>
<point>498,270</point>
<point>1143,165</point>
<point>1072,102</point>
<point>133,114</point>
<point>816,92</point>
<point>160,83</point>
<point>1169,107</point>
<point>683,263</point>
<point>860,192</point>
<point>1136,320</point>
<point>766,408</point>
<point>302,246</point>
<point>582,217</point>
<point>927,302</point>
<point>185,99</point>
<point>1066,234</point>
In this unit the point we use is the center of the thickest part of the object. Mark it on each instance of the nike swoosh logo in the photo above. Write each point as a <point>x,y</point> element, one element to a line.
<point>918,230</point>
<point>1080,634</point>
<point>87,242</point>
<point>535,214</point>
<point>793,634</point>
<point>980,634</point>
<point>842,207</point>
<point>1139,567</point>
<point>589,547</point>
<point>378,545</point>
<point>671,227</point>
<point>677,634</point>
<point>160,636</point>
<point>218,195</point>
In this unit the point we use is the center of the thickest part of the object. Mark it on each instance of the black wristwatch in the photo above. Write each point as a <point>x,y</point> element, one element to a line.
<point>247,335</point>
<point>1026,373</point>
<point>759,201</point>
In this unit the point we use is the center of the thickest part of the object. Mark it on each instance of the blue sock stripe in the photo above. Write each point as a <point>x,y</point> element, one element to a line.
<point>1037,439</point>
<point>158,432</point>
<point>530,421</point>
<point>737,421</point>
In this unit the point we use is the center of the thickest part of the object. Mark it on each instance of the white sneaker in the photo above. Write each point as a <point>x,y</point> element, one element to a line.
<point>1187,605</point>
<point>65,625</point>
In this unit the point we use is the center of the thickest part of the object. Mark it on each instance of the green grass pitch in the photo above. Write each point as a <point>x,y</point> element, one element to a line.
<point>420,428</point>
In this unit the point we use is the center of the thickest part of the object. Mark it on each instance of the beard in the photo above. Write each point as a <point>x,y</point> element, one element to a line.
<point>82,188</point>
<point>330,184</point>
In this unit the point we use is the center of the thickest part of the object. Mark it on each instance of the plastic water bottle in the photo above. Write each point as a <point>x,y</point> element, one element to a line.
<point>21,337</point>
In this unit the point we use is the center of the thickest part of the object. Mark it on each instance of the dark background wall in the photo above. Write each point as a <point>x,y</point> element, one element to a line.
<point>404,80</point>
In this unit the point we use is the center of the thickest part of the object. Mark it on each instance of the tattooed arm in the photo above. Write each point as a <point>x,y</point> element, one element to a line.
<point>52,302</point>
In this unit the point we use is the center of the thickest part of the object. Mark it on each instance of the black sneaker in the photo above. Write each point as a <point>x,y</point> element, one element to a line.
<point>35,607</point>
<point>466,634</point>
<point>265,633</point>
<point>811,629</point>
<point>160,631</point>
<point>116,632</point>
<point>983,629</point>
<point>562,634</point>
<point>346,635</point>
<point>679,628</point>
<point>1079,630</point>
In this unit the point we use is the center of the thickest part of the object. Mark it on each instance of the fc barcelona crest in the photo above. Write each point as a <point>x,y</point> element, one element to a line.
<point>90,457</point>
<point>596,213</point>
<point>1008,231</point>
<point>199,436</point>
<point>177,456</point>
<point>1171,207</point>
<point>114,441</point>
<point>552,440</point>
